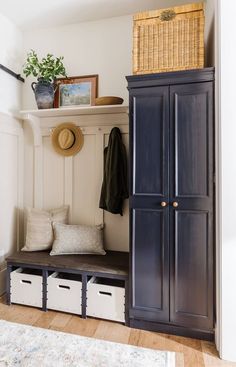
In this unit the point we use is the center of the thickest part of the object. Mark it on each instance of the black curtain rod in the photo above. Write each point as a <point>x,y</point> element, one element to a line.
<point>17,76</point>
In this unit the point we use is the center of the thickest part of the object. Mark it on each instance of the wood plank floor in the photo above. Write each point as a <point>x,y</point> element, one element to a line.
<point>189,352</point>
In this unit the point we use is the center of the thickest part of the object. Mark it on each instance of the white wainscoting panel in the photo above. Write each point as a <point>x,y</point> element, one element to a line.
<point>28,166</point>
<point>53,176</point>
<point>56,180</point>
<point>84,183</point>
<point>8,190</point>
<point>11,188</point>
<point>117,226</point>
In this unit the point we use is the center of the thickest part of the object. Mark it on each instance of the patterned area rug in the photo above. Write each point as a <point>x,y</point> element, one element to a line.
<point>27,346</point>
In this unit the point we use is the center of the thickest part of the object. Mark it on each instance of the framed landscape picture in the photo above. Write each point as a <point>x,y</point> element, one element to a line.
<point>76,91</point>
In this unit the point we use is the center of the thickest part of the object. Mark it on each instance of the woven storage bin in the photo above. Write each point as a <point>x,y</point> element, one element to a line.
<point>169,39</point>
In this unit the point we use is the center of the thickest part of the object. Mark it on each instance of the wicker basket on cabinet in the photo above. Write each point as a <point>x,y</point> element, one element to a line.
<point>169,39</point>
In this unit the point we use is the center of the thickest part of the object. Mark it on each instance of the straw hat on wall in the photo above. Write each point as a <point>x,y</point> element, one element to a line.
<point>67,139</point>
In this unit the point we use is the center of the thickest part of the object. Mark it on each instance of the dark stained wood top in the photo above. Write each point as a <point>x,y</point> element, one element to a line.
<point>115,263</point>
<point>171,78</point>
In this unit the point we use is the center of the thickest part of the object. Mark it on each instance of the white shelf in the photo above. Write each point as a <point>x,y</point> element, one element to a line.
<point>35,117</point>
<point>75,111</point>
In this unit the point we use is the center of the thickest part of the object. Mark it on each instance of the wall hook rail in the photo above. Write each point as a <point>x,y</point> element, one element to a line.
<point>9,71</point>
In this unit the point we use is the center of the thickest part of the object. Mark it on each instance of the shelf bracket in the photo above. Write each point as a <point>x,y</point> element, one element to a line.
<point>34,122</point>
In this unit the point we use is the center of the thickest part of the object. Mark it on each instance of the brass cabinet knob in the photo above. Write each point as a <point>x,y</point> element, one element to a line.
<point>175,204</point>
<point>163,204</point>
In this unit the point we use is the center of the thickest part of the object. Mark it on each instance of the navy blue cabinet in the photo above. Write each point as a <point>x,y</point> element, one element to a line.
<point>171,202</point>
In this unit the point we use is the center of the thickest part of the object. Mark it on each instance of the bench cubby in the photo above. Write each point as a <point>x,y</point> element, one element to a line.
<point>86,285</point>
<point>106,299</point>
<point>26,287</point>
<point>64,292</point>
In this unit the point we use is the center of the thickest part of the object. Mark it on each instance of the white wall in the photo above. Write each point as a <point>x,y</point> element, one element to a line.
<point>11,56</point>
<point>102,47</point>
<point>210,8</point>
<point>11,142</point>
<point>221,30</point>
<point>227,57</point>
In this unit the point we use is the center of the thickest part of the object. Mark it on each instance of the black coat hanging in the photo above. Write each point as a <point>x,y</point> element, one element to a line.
<point>115,185</point>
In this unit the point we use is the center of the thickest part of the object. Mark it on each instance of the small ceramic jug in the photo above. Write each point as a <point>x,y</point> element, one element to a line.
<point>44,93</point>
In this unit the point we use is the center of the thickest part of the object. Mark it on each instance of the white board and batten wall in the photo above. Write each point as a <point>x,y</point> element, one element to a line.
<point>11,144</point>
<point>52,180</point>
<point>11,189</point>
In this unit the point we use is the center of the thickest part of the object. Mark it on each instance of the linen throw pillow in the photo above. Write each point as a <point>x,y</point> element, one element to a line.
<point>39,235</point>
<point>77,239</point>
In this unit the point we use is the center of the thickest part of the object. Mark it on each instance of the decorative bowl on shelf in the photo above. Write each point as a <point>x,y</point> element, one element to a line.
<point>108,100</point>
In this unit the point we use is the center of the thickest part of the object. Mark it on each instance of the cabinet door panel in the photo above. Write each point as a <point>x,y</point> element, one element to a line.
<point>192,142</point>
<point>191,223</point>
<point>191,174</point>
<point>150,253</point>
<point>191,303</point>
<point>150,135</point>
<point>149,141</point>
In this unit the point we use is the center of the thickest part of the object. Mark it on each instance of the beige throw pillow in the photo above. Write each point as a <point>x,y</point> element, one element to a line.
<point>39,236</point>
<point>77,239</point>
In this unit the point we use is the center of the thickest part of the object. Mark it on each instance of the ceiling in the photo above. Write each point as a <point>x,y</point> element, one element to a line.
<point>29,14</point>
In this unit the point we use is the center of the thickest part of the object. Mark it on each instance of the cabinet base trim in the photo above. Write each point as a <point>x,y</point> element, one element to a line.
<point>172,329</point>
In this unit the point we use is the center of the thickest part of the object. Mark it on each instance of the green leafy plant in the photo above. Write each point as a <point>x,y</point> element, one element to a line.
<point>48,69</point>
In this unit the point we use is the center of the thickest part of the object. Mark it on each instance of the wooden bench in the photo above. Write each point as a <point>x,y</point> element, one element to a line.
<point>113,265</point>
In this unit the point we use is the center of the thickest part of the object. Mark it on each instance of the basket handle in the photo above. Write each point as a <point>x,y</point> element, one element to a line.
<point>63,286</point>
<point>26,281</point>
<point>105,293</point>
<point>167,15</point>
